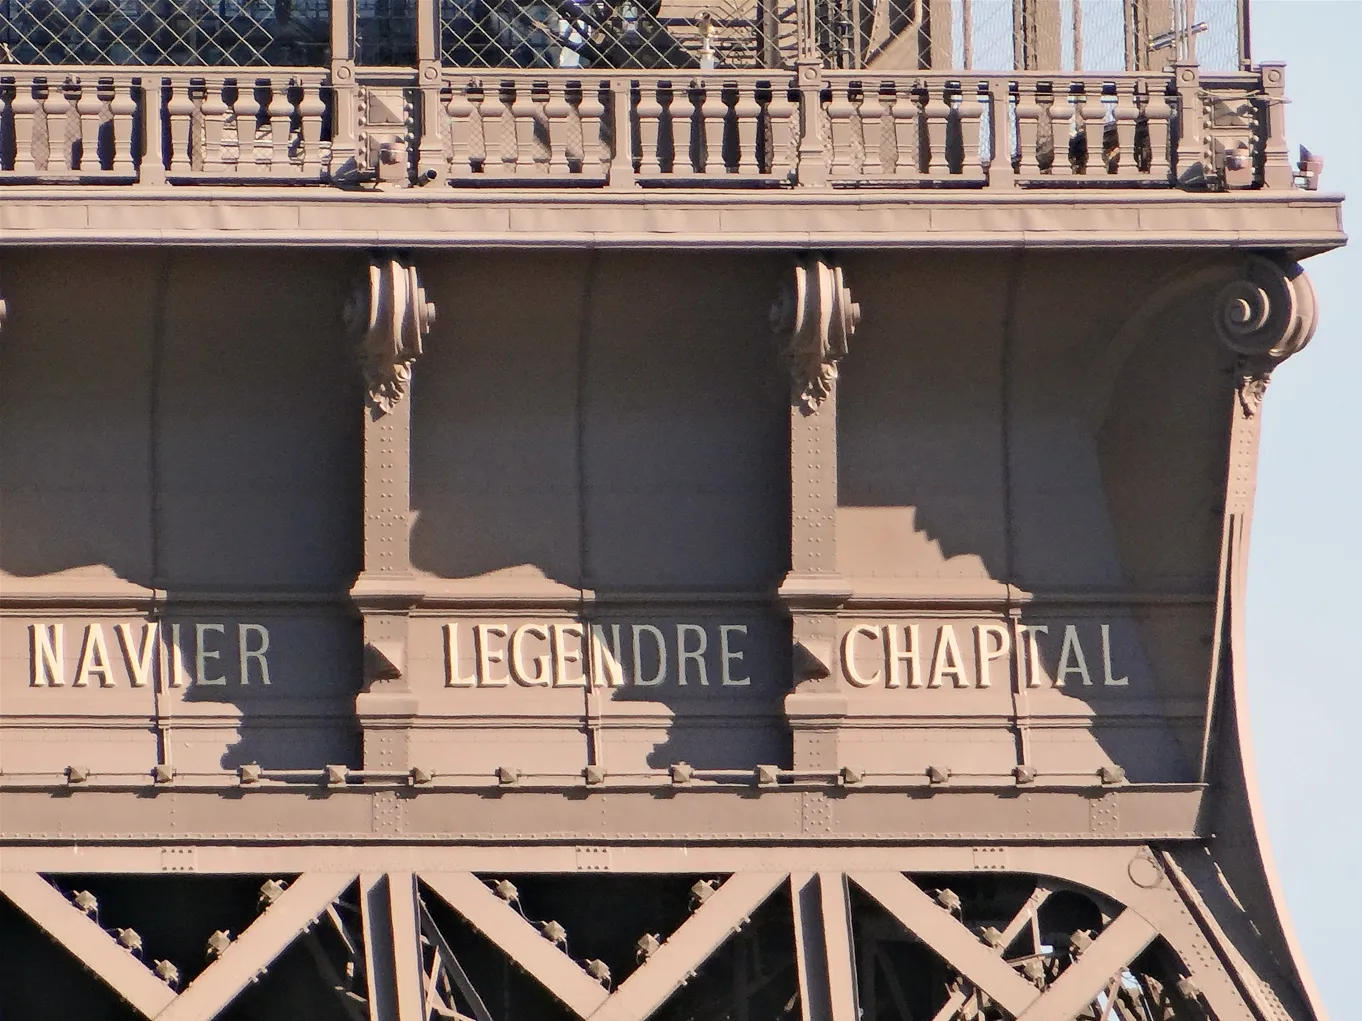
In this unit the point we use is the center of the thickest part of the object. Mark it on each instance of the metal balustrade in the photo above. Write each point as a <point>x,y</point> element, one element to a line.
<point>644,128</point>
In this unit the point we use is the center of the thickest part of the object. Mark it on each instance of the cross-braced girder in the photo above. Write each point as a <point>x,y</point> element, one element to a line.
<point>991,945</point>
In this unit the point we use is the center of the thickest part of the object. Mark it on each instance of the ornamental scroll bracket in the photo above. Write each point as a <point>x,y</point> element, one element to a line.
<point>813,318</point>
<point>388,315</point>
<point>1265,317</point>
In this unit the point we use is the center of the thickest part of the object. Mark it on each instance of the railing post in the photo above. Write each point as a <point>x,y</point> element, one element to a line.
<point>1277,171</point>
<point>153,168</point>
<point>430,153</point>
<point>621,121</point>
<point>345,98</point>
<point>1190,162</point>
<point>810,169</point>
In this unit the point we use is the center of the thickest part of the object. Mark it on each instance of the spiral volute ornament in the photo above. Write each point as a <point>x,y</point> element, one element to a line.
<point>1269,313</point>
<point>813,318</point>
<point>388,314</point>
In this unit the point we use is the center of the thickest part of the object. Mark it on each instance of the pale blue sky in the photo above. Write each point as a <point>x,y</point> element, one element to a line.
<point>1306,561</point>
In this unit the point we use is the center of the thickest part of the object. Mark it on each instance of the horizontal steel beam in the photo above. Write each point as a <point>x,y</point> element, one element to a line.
<point>347,814</point>
<point>326,218</point>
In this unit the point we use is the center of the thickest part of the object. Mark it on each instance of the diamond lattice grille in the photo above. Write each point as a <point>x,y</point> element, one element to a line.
<point>616,33</point>
<point>220,33</point>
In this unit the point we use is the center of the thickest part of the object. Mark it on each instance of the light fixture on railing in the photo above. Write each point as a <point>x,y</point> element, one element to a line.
<point>1164,40</point>
<point>1308,170</point>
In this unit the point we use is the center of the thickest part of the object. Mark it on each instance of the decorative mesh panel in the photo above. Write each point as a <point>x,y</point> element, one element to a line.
<point>223,33</point>
<point>1006,35</point>
<point>385,32</point>
<point>617,33</point>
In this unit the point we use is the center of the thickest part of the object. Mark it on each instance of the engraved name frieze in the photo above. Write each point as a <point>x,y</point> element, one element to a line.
<point>574,654</point>
<point>980,654</point>
<point>142,654</point>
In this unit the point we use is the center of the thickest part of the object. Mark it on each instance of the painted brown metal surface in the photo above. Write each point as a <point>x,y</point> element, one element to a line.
<point>822,602</point>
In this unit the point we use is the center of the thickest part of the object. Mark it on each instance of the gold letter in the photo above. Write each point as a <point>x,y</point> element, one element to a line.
<point>981,631</point>
<point>849,656</point>
<point>482,634</point>
<point>684,655</point>
<point>94,658</point>
<point>896,653</point>
<point>562,657</point>
<point>522,676</point>
<point>1071,642</point>
<point>202,657</point>
<point>245,653</point>
<point>660,676</point>
<point>1119,682</point>
<point>947,659</point>
<point>47,657</point>
<point>605,659</point>
<point>726,656</point>
<point>452,677</point>
<point>139,663</point>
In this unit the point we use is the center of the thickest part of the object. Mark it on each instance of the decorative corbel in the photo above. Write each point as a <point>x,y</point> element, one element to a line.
<point>813,318</point>
<point>1265,317</point>
<point>387,315</point>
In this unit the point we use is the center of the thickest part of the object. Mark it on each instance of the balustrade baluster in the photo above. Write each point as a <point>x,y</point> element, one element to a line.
<point>781,116</point>
<point>1063,117</point>
<point>461,126</point>
<point>179,110</point>
<point>311,111</point>
<point>1094,115</point>
<point>1030,117</point>
<point>499,131</point>
<point>650,107</point>
<point>122,110</point>
<point>881,157</point>
<point>907,131</point>
<point>747,112</point>
<point>558,114</point>
<point>937,114</point>
<point>214,111</point>
<point>90,107</point>
<point>1158,115</point>
<point>1127,116</point>
<point>528,153</point>
<point>30,127</point>
<point>713,113</point>
<point>590,112</point>
<point>688,129</point>
<point>59,150</point>
<point>198,132</point>
<point>280,111</point>
<point>247,111</point>
<point>971,112</point>
<point>856,134</point>
<point>840,111</point>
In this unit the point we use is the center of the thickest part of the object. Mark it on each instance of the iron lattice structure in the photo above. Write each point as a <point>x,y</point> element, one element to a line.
<point>988,35</point>
<point>221,33</point>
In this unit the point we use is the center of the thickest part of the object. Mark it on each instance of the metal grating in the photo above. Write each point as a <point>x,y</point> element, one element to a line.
<point>616,33</point>
<point>213,33</point>
<point>385,32</point>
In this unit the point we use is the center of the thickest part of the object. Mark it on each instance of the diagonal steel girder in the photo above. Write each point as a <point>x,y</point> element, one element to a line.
<point>264,940</point>
<point>518,939</point>
<point>940,930</point>
<point>689,946</point>
<point>91,945</point>
<point>1119,944</point>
